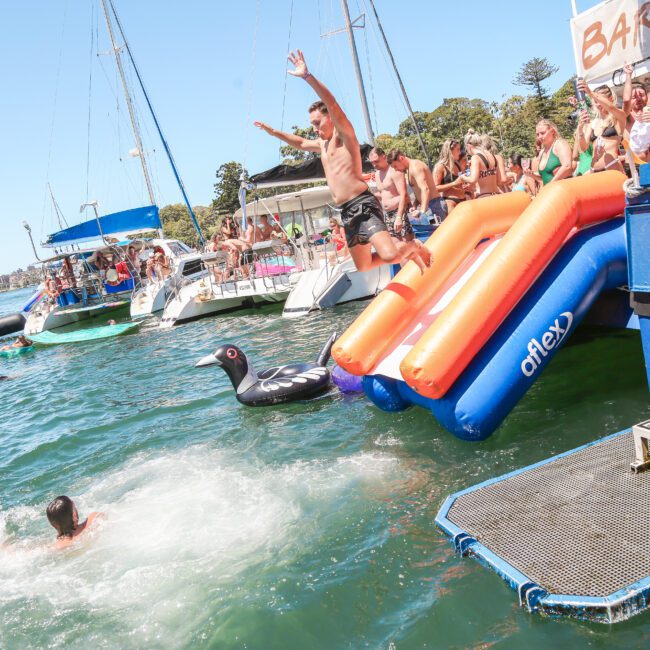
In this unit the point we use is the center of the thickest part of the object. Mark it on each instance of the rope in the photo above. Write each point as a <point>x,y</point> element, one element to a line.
<point>372,87</point>
<point>251,76</point>
<point>54,104</point>
<point>286,73</point>
<point>633,191</point>
<point>90,96</point>
<point>391,76</point>
<point>631,186</point>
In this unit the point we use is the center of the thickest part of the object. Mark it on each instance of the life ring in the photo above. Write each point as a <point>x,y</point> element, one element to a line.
<point>112,277</point>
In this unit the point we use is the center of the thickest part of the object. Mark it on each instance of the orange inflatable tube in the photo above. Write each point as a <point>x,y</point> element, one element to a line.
<point>462,329</point>
<point>364,343</point>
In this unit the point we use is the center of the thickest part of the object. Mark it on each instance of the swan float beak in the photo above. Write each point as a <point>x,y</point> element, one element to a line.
<point>210,360</point>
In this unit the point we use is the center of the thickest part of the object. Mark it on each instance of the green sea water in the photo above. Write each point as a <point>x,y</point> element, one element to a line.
<point>301,526</point>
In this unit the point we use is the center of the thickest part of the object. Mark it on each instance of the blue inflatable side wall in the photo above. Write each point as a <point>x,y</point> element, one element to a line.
<point>593,261</point>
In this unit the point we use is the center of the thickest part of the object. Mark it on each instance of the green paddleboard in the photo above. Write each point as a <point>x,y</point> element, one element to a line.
<point>87,334</point>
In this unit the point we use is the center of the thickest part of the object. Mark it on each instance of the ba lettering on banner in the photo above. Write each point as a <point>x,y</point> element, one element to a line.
<point>609,35</point>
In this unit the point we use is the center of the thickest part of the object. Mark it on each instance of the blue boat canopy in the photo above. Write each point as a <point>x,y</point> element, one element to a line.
<point>127,222</point>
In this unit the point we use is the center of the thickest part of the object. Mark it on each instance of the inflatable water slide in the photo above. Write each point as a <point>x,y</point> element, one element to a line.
<point>510,280</point>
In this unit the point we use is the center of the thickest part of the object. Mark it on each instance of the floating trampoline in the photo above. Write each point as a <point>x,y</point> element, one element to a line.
<point>571,534</point>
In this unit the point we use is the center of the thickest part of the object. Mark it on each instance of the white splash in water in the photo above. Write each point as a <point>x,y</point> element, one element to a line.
<point>179,528</point>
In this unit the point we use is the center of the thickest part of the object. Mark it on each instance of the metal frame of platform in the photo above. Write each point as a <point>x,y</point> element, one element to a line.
<point>617,606</point>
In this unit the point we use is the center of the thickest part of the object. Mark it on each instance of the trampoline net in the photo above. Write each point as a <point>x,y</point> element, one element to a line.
<point>577,525</point>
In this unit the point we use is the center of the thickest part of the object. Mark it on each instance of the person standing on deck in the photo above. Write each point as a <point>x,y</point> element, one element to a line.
<point>338,147</point>
<point>393,195</point>
<point>420,179</point>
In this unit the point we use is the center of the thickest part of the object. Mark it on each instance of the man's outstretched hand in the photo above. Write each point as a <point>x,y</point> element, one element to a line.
<point>261,125</point>
<point>300,67</point>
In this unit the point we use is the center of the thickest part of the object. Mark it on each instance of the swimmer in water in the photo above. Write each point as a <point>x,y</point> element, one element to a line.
<point>20,342</point>
<point>62,514</point>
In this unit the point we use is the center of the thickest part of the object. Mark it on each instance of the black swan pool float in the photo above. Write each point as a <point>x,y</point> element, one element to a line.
<point>275,385</point>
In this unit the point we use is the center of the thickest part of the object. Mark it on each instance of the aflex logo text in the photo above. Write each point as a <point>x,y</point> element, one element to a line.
<point>550,339</point>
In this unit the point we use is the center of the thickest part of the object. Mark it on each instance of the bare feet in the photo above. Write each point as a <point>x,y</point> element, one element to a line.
<point>420,255</point>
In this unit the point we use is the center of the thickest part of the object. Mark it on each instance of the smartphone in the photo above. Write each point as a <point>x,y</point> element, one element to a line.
<point>580,95</point>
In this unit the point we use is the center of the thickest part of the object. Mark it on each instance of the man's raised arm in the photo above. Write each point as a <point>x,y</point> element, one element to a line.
<point>343,126</point>
<point>296,141</point>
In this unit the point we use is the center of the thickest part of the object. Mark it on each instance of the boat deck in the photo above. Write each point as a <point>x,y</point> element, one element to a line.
<point>571,534</point>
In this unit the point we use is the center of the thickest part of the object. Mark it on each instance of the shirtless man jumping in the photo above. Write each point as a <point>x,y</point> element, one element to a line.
<point>393,195</point>
<point>338,147</point>
<point>421,180</point>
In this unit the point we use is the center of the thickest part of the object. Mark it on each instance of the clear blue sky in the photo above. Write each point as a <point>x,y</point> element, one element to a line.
<point>211,67</point>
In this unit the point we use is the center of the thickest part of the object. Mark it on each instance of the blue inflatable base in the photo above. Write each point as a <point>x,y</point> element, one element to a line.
<point>593,261</point>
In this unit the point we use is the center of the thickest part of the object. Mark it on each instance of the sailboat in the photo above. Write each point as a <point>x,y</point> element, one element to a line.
<point>89,282</point>
<point>329,280</point>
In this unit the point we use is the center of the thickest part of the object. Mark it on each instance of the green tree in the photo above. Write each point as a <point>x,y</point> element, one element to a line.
<point>291,156</point>
<point>517,119</point>
<point>227,187</point>
<point>532,74</point>
<point>177,223</point>
<point>451,119</point>
<point>560,110</point>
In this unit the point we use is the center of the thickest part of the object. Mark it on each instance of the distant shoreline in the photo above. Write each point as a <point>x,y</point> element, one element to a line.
<point>27,286</point>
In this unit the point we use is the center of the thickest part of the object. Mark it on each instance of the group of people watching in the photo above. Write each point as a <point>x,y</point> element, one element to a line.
<point>113,269</point>
<point>605,132</point>
<point>473,168</point>
<point>239,246</point>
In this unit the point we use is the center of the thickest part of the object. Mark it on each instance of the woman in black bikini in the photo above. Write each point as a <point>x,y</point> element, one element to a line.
<point>484,173</point>
<point>490,145</point>
<point>446,174</point>
<point>605,132</point>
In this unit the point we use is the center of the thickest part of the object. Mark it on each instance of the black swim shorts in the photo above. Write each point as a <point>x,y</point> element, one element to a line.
<point>406,231</point>
<point>362,218</point>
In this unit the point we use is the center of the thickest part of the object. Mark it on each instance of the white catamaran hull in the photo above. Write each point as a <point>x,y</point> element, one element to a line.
<point>148,300</point>
<point>201,298</point>
<point>42,320</point>
<point>333,285</point>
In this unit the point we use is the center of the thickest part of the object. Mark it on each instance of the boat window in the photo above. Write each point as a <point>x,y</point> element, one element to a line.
<point>178,248</point>
<point>192,266</point>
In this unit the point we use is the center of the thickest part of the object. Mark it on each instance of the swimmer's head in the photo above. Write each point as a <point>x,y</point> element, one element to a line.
<point>62,514</point>
<point>321,121</point>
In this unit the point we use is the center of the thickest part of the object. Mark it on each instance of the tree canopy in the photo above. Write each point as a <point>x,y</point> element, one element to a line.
<point>227,187</point>
<point>532,74</point>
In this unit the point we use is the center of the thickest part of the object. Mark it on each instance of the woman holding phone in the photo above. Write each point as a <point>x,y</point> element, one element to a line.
<point>605,132</point>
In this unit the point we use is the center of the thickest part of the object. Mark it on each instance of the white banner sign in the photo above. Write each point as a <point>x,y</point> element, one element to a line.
<point>609,35</point>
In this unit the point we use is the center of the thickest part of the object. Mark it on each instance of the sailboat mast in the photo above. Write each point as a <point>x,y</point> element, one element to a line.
<point>129,103</point>
<point>357,69</point>
<point>160,133</point>
<point>57,210</point>
<point>401,85</point>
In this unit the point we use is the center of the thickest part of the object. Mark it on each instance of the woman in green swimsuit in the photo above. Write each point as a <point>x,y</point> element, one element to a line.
<point>555,157</point>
